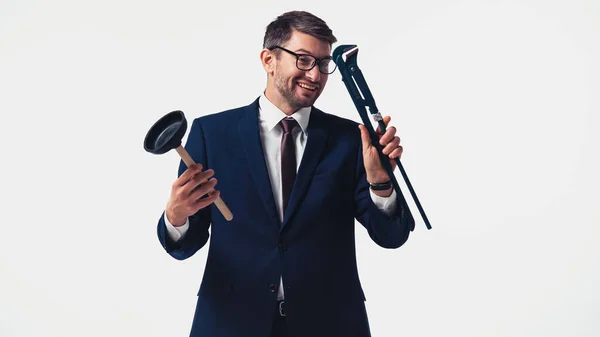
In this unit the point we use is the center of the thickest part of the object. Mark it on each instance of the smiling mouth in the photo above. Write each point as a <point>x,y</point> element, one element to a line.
<point>307,86</point>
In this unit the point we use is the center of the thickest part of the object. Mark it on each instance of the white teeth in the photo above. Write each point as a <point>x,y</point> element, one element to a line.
<point>305,86</point>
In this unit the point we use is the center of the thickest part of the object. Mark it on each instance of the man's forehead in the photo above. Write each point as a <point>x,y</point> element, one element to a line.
<point>304,43</point>
<point>315,50</point>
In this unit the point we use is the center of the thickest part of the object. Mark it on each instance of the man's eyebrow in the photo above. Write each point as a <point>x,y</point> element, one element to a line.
<point>301,50</point>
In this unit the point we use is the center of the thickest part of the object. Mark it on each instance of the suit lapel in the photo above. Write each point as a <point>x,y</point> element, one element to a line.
<point>315,144</point>
<point>250,141</point>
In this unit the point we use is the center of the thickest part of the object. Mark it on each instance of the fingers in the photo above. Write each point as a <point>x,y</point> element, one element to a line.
<point>389,141</point>
<point>198,179</point>
<point>204,188</point>
<point>198,198</point>
<point>389,131</point>
<point>187,175</point>
<point>203,202</point>
<point>189,181</point>
<point>192,191</point>
<point>391,146</point>
<point>396,153</point>
<point>389,136</point>
<point>386,121</point>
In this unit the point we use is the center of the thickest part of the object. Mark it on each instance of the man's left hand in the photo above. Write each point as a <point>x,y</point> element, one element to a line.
<point>376,173</point>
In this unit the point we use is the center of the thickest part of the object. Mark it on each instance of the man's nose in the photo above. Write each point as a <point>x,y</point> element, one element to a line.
<point>314,74</point>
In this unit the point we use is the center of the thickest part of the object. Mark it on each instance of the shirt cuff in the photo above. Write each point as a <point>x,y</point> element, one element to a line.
<point>385,204</point>
<point>176,233</point>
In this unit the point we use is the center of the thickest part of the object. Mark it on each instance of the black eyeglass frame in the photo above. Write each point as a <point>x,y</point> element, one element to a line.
<point>314,63</point>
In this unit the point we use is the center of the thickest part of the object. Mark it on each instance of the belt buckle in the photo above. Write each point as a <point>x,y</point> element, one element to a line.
<point>281,313</point>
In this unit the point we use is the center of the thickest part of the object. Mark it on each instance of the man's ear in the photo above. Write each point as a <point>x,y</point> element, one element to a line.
<point>268,60</point>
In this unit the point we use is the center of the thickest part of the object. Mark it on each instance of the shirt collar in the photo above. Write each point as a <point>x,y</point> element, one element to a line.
<point>271,115</point>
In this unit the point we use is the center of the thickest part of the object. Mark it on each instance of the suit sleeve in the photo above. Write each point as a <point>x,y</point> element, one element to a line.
<point>197,234</point>
<point>386,230</point>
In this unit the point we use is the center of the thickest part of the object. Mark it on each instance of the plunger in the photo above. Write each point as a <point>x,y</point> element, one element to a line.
<point>165,135</point>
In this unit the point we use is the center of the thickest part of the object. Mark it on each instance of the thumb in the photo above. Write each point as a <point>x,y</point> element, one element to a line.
<point>364,135</point>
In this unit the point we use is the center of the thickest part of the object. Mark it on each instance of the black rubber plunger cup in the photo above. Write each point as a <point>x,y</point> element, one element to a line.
<point>166,134</point>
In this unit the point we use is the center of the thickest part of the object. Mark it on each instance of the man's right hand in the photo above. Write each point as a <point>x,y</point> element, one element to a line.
<point>185,199</point>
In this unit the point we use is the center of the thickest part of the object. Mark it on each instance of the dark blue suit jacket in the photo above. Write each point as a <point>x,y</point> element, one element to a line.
<point>314,247</point>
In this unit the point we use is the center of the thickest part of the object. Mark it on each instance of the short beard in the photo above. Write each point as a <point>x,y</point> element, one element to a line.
<point>288,93</point>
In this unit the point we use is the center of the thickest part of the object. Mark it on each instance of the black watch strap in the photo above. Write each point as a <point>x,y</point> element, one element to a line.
<point>381,186</point>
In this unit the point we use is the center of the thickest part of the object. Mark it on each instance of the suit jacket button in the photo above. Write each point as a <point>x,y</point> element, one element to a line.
<point>272,287</point>
<point>282,247</point>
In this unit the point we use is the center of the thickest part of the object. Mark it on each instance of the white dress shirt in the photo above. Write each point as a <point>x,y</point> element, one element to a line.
<point>270,135</point>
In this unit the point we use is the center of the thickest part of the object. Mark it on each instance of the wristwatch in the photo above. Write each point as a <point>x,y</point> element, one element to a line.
<point>381,186</point>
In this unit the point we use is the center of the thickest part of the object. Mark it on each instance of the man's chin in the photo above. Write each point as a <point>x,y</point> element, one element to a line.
<point>307,101</point>
<point>304,103</point>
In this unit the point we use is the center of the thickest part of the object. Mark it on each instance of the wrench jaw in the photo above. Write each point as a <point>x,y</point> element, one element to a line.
<point>345,56</point>
<point>345,52</point>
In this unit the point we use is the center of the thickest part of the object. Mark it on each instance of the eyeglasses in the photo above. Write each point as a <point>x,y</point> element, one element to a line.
<point>306,62</point>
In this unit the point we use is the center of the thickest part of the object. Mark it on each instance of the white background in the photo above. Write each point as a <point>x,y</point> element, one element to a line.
<point>496,103</point>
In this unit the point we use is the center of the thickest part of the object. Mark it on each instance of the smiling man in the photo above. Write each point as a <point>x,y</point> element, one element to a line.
<point>296,179</point>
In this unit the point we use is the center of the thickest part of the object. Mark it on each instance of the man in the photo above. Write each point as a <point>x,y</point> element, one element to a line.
<point>295,179</point>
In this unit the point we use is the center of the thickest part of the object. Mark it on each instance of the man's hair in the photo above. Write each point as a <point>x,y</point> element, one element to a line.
<point>280,30</point>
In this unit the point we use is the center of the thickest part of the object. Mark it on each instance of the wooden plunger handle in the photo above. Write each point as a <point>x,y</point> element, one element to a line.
<point>187,159</point>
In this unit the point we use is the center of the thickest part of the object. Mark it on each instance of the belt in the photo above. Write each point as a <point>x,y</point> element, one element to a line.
<point>281,307</point>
